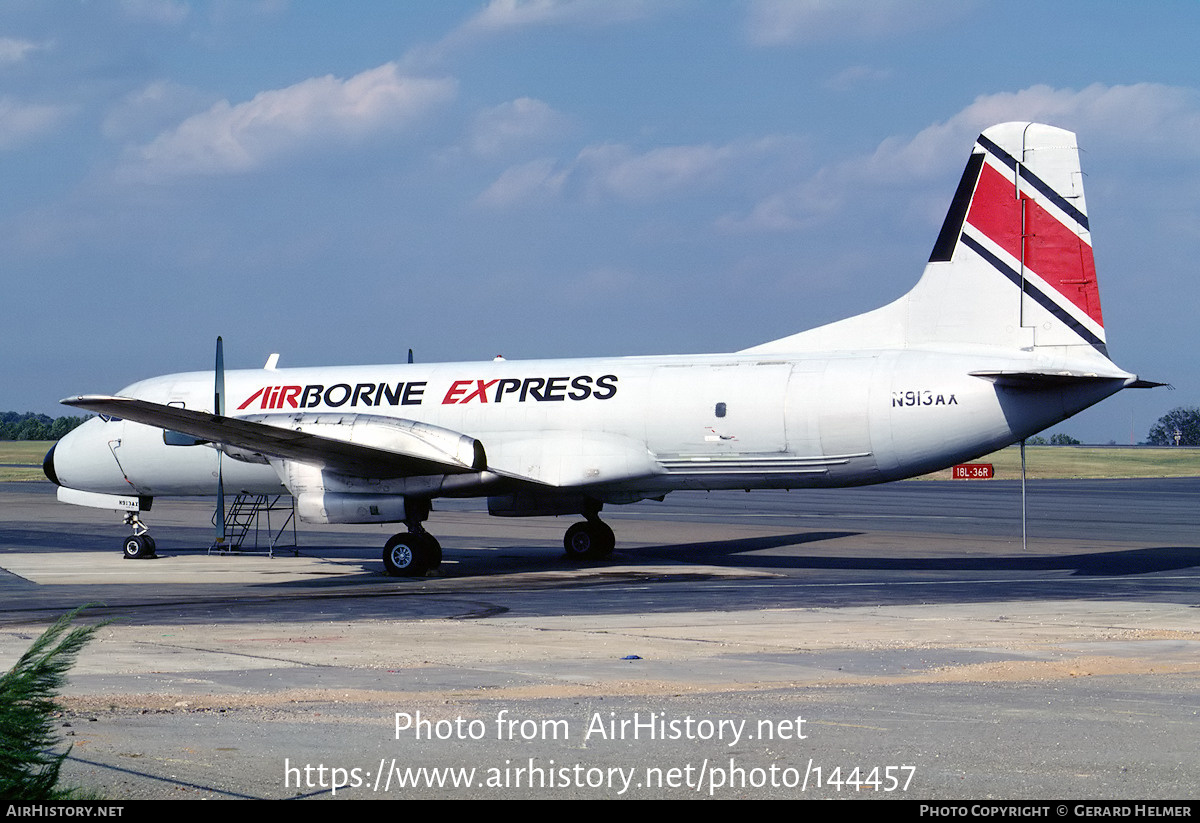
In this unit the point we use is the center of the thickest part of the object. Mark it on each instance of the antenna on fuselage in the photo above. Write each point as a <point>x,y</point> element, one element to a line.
<point>1024,535</point>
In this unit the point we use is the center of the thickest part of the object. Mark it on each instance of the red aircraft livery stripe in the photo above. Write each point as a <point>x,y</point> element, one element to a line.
<point>1053,250</point>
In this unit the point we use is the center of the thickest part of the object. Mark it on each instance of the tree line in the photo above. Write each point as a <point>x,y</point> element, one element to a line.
<point>30,426</point>
<point>1059,439</point>
<point>1183,422</point>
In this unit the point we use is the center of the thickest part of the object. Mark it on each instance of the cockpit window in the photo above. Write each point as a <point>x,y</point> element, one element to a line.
<point>174,438</point>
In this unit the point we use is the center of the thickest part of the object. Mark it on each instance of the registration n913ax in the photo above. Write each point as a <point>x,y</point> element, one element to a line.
<point>1001,337</point>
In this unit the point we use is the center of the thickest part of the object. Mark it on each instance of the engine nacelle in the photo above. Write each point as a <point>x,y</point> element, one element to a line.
<point>528,503</point>
<point>331,507</point>
<point>410,438</point>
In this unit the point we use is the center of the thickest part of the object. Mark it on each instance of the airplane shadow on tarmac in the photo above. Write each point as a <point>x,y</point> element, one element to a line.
<point>1123,562</point>
<point>360,564</point>
<point>767,552</point>
<point>771,553</point>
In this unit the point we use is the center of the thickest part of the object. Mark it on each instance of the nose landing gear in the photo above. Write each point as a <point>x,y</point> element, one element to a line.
<point>139,545</point>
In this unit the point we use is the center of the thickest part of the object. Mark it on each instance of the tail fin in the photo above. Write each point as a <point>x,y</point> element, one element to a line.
<point>1012,265</point>
<point>1026,222</point>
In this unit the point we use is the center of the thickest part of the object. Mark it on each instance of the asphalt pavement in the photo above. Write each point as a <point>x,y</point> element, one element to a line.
<point>888,642</point>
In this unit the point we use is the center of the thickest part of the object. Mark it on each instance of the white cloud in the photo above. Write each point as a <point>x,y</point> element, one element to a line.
<point>537,180</point>
<point>625,174</point>
<point>510,15</point>
<point>500,17</point>
<point>20,122</point>
<point>513,126</point>
<point>13,51</point>
<point>613,171</point>
<point>787,22</point>
<point>1144,118</point>
<point>143,113</point>
<point>798,207</point>
<point>312,115</point>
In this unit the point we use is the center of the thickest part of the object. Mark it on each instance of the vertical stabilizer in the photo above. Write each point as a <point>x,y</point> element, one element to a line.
<point>1028,223</point>
<point>1012,265</point>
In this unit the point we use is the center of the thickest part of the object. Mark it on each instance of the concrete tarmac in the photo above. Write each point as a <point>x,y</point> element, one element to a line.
<point>892,642</point>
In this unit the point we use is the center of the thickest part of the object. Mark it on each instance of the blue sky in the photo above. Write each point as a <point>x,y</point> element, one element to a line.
<point>552,178</point>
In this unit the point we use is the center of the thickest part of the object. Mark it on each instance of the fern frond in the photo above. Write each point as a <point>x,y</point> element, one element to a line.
<point>28,701</point>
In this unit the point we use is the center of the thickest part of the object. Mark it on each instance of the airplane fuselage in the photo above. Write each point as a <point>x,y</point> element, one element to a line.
<point>694,422</point>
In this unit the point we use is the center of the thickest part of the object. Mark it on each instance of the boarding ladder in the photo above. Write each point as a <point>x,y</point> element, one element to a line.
<point>246,512</point>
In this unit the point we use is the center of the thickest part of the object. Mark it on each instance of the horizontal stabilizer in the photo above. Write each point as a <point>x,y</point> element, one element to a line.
<point>394,448</point>
<point>1040,379</point>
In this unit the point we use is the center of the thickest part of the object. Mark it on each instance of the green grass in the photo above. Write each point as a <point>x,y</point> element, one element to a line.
<point>1043,462</point>
<point>1089,462</point>
<point>28,454</point>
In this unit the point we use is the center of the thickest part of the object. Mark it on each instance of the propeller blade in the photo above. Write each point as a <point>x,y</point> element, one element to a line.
<point>219,382</point>
<point>219,514</point>
<point>219,408</point>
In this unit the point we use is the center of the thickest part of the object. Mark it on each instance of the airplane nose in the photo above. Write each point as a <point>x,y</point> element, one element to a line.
<point>48,466</point>
<point>83,459</point>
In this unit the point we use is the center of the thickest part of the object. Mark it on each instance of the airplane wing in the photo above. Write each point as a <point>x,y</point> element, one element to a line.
<point>364,445</point>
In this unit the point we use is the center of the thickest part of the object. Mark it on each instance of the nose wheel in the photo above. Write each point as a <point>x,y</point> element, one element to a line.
<point>139,545</point>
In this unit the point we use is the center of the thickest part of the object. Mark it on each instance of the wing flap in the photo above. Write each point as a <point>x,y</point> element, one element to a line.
<point>570,458</point>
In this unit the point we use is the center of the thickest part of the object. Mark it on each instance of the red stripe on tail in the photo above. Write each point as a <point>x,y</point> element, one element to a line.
<point>1052,250</point>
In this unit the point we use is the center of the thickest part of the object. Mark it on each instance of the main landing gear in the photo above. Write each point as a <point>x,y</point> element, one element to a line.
<point>589,540</point>
<point>411,554</point>
<point>139,545</point>
<point>415,552</point>
<point>592,539</point>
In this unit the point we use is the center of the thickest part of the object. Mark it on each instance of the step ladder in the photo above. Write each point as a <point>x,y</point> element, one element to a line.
<point>246,512</point>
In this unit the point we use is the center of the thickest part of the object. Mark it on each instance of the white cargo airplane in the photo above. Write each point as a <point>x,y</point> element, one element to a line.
<point>1001,338</point>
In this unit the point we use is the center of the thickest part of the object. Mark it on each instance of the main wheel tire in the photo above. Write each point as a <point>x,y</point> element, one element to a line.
<point>606,541</point>
<point>589,540</point>
<point>137,546</point>
<point>433,552</point>
<point>406,555</point>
